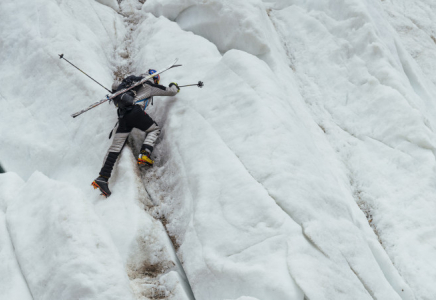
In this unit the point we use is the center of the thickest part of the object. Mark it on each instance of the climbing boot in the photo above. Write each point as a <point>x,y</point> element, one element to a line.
<point>102,184</point>
<point>144,158</point>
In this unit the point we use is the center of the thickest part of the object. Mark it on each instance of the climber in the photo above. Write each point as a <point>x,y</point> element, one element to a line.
<point>131,114</point>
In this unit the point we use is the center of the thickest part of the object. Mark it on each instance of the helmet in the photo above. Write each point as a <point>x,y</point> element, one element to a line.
<point>155,78</point>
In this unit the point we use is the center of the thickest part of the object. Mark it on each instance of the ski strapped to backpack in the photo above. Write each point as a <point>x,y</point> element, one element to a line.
<point>173,65</point>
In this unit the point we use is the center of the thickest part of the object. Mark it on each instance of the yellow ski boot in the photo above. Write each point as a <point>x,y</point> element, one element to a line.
<point>144,158</point>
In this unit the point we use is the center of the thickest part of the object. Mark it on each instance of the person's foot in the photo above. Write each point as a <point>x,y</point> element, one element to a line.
<point>144,158</point>
<point>102,184</point>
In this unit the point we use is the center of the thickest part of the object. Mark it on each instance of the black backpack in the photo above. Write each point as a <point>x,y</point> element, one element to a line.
<point>125,100</point>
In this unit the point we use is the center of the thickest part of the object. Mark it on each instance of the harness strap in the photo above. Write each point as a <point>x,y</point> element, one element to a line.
<point>110,134</point>
<point>146,100</point>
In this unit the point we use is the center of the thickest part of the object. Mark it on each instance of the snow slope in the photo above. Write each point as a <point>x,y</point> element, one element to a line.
<point>349,91</point>
<point>303,169</point>
<point>67,241</point>
<point>13,285</point>
<point>379,117</point>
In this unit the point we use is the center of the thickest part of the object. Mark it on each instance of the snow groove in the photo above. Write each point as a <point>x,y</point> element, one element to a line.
<point>146,283</point>
<point>370,292</point>
<point>413,79</point>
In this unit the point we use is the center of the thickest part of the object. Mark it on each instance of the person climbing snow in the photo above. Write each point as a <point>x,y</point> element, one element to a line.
<point>131,114</point>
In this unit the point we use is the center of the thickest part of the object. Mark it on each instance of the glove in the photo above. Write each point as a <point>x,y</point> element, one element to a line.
<point>177,86</point>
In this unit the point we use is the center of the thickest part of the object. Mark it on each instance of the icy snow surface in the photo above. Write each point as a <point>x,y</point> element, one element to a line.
<point>304,169</point>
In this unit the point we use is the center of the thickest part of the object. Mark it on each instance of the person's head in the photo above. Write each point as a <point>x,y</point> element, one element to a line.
<point>156,78</point>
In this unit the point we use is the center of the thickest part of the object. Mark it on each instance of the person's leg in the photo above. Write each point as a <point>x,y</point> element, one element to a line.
<point>152,133</point>
<point>119,140</point>
<point>144,122</point>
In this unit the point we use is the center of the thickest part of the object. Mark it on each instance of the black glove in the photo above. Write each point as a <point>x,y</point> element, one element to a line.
<point>177,86</point>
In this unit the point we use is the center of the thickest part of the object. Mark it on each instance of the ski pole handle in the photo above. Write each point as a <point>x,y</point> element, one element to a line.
<point>200,84</point>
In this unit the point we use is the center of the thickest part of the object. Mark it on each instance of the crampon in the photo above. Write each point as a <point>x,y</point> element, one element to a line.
<point>145,160</point>
<point>102,186</point>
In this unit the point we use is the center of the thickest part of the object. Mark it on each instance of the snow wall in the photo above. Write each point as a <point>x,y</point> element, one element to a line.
<point>304,169</point>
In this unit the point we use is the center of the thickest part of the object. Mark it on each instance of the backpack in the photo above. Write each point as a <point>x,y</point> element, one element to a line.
<point>125,100</point>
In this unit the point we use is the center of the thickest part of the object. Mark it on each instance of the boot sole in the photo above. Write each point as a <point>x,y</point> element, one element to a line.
<point>96,186</point>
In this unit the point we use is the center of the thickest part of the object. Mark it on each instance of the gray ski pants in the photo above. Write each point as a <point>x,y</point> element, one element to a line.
<point>136,118</point>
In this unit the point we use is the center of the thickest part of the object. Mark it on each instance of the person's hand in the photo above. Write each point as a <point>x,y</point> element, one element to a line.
<point>177,86</point>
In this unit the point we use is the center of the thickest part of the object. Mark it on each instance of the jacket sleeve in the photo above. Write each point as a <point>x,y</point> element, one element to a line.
<point>160,90</point>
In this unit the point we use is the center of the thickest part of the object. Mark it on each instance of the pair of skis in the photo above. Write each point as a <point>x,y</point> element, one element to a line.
<point>173,65</point>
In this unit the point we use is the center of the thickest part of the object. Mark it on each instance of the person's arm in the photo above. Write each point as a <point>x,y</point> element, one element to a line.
<point>160,90</point>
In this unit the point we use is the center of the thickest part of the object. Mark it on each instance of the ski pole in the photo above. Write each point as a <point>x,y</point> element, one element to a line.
<point>62,57</point>
<point>200,84</point>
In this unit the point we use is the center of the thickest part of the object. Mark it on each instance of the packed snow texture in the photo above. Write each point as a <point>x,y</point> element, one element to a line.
<point>69,242</point>
<point>13,284</point>
<point>304,169</point>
